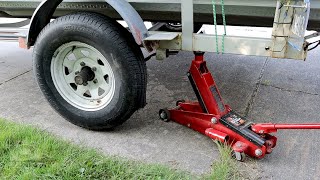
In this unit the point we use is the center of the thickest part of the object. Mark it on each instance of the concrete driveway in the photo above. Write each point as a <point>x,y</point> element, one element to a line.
<point>263,89</point>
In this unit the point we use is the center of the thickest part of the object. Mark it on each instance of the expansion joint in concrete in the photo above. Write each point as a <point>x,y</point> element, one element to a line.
<point>290,90</point>
<point>256,89</point>
<point>15,77</point>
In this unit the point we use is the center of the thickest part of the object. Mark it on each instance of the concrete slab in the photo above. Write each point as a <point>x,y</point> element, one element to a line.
<point>13,60</point>
<point>295,75</point>
<point>297,153</point>
<point>289,93</point>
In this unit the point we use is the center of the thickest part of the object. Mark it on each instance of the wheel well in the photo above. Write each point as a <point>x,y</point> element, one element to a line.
<point>44,13</point>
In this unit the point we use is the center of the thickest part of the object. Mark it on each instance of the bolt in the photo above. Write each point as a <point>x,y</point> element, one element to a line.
<point>214,120</point>
<point>95,81</point>
<point>94,69</point>
<point>82,64</point>
<point>258,152</point>
<point>267,48</point>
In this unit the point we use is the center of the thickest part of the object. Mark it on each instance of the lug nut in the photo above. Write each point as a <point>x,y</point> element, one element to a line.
<point>94,69</point>
<point>95,81</point>
<point>85,84</point>
<point>82,64</point>
<point>77,72</point>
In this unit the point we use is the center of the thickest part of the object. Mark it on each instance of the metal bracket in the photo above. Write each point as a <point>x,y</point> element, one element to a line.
<point>290,24</point>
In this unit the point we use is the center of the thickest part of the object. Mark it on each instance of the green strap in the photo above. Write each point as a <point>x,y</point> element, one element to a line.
<point>224,24</point>
<point>215,24</point>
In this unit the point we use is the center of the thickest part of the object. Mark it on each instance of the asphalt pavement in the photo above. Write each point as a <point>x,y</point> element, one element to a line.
<point>263,89</point>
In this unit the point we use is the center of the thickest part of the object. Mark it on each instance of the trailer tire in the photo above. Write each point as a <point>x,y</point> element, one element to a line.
<point>90,70</point>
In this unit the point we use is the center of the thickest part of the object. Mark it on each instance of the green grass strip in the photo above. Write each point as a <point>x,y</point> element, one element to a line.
<point>29,153</point>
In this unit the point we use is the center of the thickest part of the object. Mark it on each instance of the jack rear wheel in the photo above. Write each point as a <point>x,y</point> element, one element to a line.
<point>164,115</point>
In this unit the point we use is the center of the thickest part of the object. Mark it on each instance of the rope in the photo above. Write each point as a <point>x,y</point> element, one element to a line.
<point>215,24</point>
<point>224,24</point>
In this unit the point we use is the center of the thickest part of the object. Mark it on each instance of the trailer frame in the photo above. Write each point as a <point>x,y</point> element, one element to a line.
<point>276,45</point>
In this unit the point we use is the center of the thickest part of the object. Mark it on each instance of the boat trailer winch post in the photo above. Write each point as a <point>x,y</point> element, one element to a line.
<point>213,118</point>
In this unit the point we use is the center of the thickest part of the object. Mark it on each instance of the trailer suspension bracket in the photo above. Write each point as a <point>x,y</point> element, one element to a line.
<point>213,118</point>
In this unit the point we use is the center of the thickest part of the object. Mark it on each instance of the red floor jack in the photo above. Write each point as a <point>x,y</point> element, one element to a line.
<point>210,116</point>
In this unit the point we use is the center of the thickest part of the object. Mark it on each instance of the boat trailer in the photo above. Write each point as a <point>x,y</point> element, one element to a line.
<point>210,115</point>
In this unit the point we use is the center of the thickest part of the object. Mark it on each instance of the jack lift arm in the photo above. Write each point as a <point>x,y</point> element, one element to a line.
<point>210,116</point>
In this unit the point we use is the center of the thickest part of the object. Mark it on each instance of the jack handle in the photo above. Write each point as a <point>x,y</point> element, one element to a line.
<point>266,128</point>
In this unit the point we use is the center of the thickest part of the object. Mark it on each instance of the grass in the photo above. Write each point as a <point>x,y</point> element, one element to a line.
<point>29,153</point>
<point>226,166</point>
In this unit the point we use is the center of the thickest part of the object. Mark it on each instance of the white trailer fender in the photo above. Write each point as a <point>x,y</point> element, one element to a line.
<point>44,12</point>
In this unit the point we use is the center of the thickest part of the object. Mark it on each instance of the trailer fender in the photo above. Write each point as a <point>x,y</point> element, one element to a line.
<point>44,12</point>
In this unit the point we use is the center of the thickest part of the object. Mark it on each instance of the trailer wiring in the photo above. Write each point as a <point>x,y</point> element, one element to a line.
<point>310,49</point>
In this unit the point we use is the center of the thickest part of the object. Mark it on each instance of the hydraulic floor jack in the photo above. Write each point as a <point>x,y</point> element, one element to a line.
<point>210,116</point>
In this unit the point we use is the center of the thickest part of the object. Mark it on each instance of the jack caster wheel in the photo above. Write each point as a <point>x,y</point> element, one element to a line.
<point>164,115</point>
<point>239,156</point>
<point>179,102</point>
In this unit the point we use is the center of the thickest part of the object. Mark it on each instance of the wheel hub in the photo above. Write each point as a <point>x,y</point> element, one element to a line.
<point>86,74</point>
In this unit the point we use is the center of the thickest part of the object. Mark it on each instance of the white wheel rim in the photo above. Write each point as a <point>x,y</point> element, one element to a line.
<point>70,59</point>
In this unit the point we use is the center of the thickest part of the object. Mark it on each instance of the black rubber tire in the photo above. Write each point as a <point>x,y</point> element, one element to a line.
<point>107,36</point>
